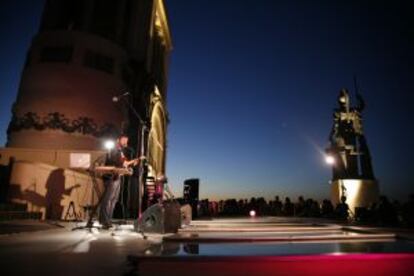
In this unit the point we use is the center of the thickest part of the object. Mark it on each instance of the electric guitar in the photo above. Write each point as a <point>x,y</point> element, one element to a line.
<point>125,170</point>
<point>133,162</point>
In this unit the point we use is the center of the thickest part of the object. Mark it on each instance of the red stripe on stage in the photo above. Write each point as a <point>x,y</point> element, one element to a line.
<point>334,264</point>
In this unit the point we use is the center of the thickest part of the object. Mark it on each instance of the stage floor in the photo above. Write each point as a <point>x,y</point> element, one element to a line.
<point>271,236</point>
<point>249,246</point>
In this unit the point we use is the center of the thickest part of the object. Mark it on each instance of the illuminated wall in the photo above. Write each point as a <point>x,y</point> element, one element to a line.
<point>358,192</point>
<point>157,136</point>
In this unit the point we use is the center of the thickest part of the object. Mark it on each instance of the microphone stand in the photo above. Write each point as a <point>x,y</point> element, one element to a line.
<point>142,153</point>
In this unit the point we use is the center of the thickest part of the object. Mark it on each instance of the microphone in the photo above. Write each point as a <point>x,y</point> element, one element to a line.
<point>117,98</point>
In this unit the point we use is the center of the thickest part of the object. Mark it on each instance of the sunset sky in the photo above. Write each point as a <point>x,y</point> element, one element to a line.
<point>252,86</point>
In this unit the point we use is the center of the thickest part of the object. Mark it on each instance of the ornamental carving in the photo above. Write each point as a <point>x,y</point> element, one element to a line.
<point>58,121</point>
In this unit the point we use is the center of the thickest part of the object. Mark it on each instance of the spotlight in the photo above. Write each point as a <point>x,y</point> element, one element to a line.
<point>252,213</point>
<point>330,160</point>
<point>109,144</point>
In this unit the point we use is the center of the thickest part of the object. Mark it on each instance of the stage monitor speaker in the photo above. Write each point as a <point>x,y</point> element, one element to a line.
<point>160,218</point>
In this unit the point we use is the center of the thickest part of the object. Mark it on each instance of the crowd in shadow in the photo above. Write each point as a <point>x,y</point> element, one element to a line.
<point>383,213</point>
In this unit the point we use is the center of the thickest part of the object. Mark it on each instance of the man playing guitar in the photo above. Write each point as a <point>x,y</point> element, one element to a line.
<point>119,157</point>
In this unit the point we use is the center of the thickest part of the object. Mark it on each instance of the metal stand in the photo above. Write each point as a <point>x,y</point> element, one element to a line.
<point>72,214</point>
<point>92,208</point>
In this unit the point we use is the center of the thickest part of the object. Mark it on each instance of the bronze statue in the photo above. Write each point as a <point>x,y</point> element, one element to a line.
<point>348,145</point>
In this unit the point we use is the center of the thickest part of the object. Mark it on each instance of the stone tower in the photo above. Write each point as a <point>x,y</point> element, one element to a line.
<point>87,52</point>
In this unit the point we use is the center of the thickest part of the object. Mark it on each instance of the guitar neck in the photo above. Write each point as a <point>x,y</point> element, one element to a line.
<point>129,162</point>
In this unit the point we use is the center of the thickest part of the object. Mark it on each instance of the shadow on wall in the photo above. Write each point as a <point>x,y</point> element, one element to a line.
<point>51,201</point>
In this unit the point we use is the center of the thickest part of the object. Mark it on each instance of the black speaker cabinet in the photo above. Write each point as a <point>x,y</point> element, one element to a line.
<point>191,187</point>
<point>160,218</point>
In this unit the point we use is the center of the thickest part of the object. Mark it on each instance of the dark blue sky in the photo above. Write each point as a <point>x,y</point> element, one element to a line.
<point>253,84</point>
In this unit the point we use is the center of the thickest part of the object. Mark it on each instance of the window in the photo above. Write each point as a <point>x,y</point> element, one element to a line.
<point>56,54</point>
<point>99,62</point>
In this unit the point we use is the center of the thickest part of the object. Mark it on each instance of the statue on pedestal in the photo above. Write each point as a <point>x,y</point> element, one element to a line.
<point>348,145</point>
<point>353,181</point>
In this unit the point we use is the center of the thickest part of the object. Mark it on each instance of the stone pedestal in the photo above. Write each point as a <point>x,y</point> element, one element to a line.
<point>359,192</point>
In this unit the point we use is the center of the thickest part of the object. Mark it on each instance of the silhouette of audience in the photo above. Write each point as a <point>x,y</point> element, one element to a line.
<point>383,213</point>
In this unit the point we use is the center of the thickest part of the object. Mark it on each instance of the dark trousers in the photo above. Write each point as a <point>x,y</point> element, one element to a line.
<point>110,197</point>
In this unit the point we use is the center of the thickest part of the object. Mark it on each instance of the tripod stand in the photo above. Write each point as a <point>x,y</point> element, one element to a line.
<point>92,209</point>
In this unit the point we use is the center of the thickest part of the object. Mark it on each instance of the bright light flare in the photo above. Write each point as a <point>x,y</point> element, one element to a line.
<point>109,144</point>
<point>252,213</point>
<point>330,160</point>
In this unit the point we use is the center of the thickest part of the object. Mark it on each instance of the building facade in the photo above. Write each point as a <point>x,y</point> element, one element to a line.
<point>87,54</point>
